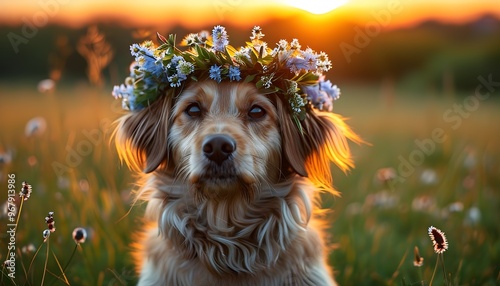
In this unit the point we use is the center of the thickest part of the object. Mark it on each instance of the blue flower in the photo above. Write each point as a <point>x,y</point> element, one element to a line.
<point>234,73</point>
<point>126,93</point>
<point>215,73</point>
<point>219,38</point>
<point>175,80</point>
<point>152,65</point>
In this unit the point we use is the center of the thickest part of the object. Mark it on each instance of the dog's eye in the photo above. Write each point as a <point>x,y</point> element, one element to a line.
<point>256,112</point>
<point>193,110</point>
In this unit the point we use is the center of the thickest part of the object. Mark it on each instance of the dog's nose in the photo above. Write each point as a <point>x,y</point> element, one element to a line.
<point>218,147</point>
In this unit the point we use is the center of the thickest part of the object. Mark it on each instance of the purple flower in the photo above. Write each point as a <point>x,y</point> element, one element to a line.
<point>332,90</point>
<point>297,64</point>
<point>322,94</point>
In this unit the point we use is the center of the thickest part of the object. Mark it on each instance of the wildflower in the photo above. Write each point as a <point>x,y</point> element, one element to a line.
<point>418,260</point>
<point>386,174</point>
<point>49,219</point>
<point>174,80</point>
<point>438,240</point>
<point>323,64</point>
<point>35,127</point>
<point>297,102</point>
<point>138,51</point>
<point>456,207</point>
<point>310,58</point>
<point>296,64</point>
<point>25,191</point>
<point>294,45</point>
<point>332,90</point>
<point>184,68</point>
<point>256,33</point>
<point>28,248</point>
<point>429,177</point>
<point>219,36</point>
<point>242,54</point>
<point>261,47</point>
<point>192,40</point>
<point>5,157</point>
<point>234,73</point>
<point>79,235</point>
<point>267,80</point>
<point>46,86</point>
<point>282,45</point>
<point>473,216</point>
<point>215,73</point>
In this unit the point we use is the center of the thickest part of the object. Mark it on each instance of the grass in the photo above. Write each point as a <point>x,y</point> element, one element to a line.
<point>376,224</point>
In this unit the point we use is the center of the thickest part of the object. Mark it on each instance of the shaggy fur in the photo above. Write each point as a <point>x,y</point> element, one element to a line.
<point>252,218</point>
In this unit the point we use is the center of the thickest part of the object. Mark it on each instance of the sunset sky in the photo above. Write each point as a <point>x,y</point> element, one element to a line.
<point>193,13</point>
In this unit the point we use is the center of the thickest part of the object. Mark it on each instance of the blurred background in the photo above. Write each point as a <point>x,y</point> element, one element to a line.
<point>420,83</point>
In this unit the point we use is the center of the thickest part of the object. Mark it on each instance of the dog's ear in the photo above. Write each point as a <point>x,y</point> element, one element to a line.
<point>324,139</point>
<point>141,136</point>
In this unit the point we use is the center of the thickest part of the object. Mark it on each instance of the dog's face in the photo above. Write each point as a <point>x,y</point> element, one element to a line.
<point>225,138</point>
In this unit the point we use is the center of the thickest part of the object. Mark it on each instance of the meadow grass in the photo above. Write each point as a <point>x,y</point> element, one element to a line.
<point>375,224</point>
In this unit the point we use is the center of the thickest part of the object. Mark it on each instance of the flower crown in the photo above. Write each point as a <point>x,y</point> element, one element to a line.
<point>287,71</point>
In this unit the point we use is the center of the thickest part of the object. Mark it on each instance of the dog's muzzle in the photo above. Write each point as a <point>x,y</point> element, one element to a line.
<point>218,147</point>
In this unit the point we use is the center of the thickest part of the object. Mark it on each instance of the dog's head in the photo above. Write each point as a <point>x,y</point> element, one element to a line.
<point>227,138</point>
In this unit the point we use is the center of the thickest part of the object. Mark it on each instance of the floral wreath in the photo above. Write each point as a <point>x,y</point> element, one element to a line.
<point>286,70</point>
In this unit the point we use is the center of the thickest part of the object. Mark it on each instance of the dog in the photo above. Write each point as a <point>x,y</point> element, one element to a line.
<point>232,187</point>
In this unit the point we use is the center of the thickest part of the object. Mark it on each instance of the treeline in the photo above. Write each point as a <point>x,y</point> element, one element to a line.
<point>424,55</point>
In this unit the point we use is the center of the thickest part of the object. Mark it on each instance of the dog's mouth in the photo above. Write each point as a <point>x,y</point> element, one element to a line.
<point>215,175</point>
<point>221,181</point>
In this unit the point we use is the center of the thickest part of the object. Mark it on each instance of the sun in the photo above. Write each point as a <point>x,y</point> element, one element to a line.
<point>317,6</point>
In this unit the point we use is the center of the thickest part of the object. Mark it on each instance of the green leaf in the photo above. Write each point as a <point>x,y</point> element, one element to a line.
<point>249,78</point>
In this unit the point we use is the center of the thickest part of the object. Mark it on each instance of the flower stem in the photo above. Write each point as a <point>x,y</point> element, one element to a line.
<point>46,260</point>
<point>444,269</point>
<point>434,273</point>
<point>67,263</point>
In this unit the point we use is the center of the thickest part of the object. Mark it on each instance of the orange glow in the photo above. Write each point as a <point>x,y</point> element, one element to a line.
<point>200,13</point>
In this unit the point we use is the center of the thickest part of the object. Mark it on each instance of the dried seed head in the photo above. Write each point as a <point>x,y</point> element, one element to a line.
<point>46,234</point>
<point>438,240</point>
<point>418,260</point>
<point>79,235</point>
<point>49,219</point>
<point>25,191</point>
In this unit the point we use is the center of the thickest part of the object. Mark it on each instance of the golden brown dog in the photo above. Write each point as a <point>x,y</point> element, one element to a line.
<point>232,187</point>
